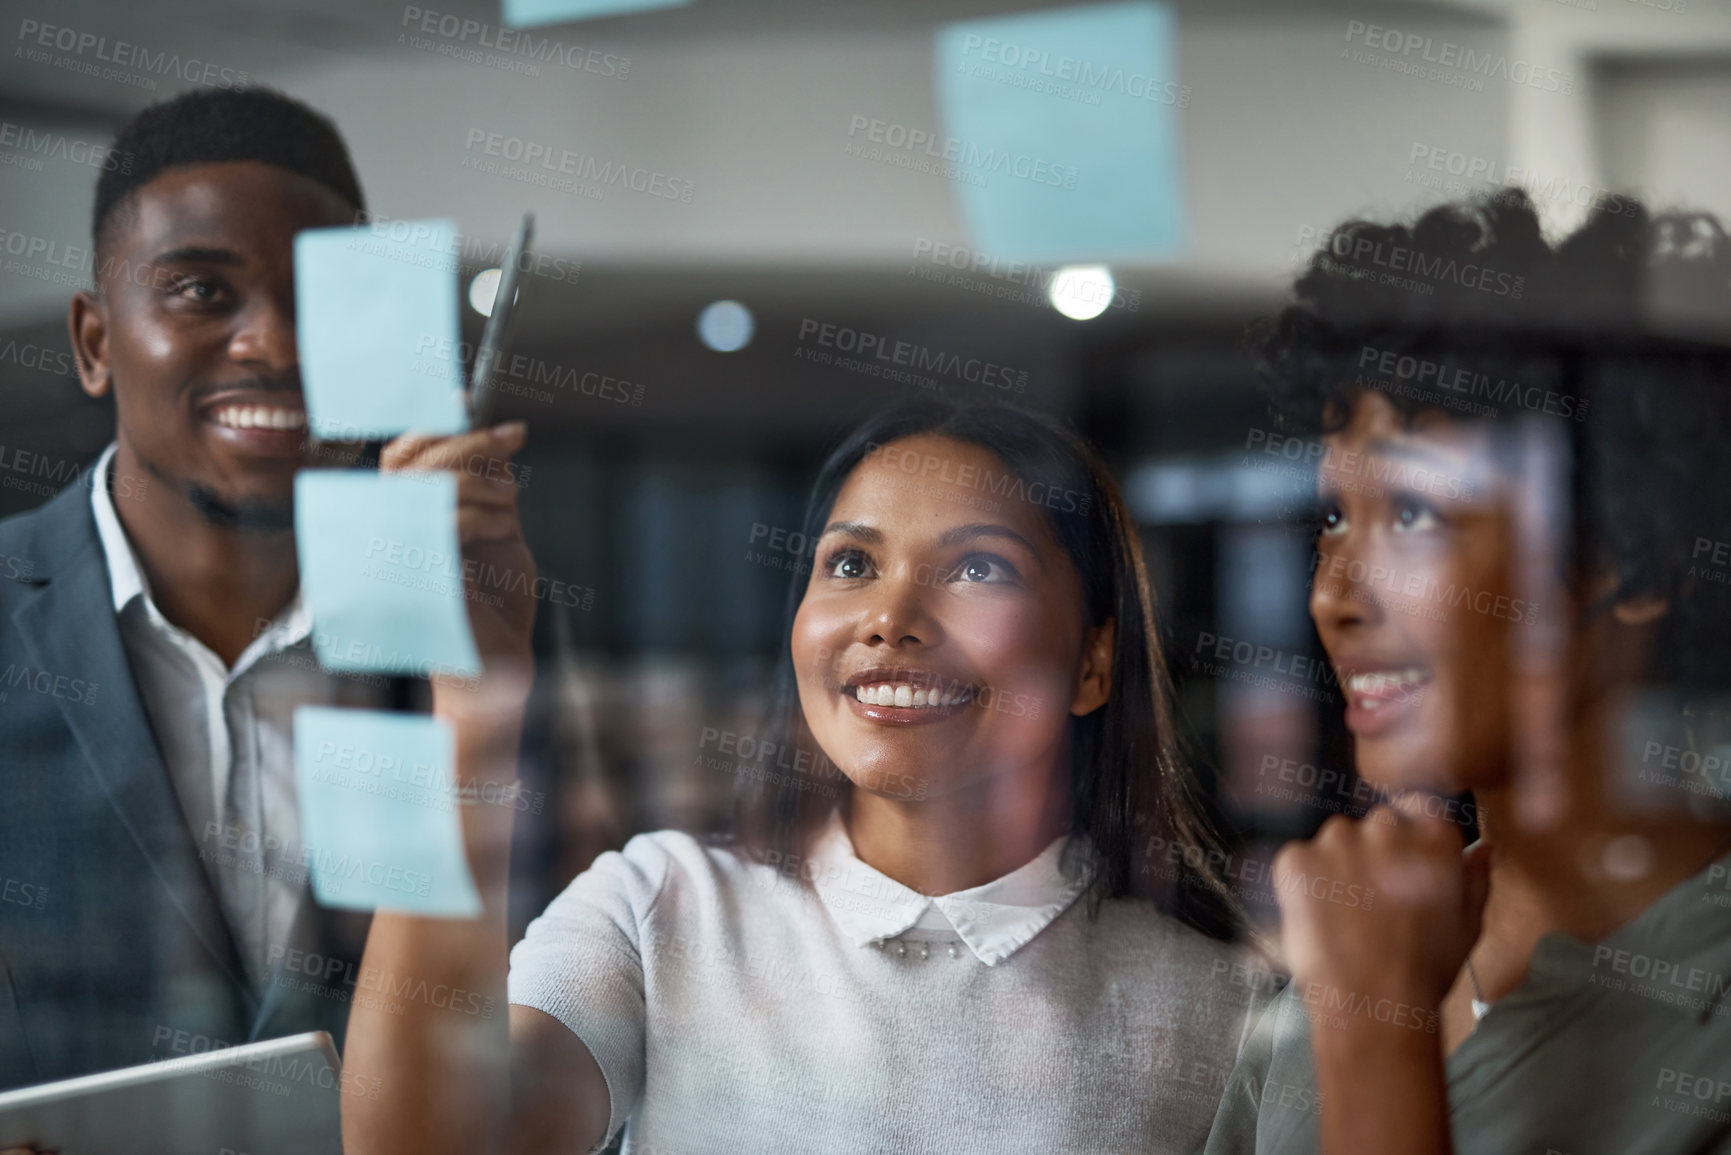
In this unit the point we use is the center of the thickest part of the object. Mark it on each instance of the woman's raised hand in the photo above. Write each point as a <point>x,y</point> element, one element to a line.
<point>499,574</point>
<point>1383,908</point>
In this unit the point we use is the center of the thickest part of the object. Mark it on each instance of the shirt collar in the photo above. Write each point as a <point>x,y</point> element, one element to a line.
<point>995,920</point>
<point>126,581</point>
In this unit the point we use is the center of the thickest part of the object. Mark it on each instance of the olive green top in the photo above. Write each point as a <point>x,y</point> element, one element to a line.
<point>1619,1047</point>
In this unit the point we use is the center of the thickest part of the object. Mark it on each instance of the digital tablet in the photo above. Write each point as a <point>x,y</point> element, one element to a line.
<point>279,1097</point>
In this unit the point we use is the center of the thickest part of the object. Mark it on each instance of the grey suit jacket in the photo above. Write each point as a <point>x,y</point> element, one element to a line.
<point>113,946</point>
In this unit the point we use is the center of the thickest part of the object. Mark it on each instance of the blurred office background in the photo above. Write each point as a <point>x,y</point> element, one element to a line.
<point>663,470</point>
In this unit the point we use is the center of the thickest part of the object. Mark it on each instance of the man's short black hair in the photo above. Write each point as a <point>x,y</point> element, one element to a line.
<point>1620,332</point>
<point>209,126</point>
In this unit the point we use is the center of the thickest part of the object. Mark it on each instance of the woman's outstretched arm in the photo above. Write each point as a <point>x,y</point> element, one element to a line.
<point>449,1080</point>
<point>455,1070</point>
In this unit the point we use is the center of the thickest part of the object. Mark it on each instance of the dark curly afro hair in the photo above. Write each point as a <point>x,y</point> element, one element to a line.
<point>1619,332</point>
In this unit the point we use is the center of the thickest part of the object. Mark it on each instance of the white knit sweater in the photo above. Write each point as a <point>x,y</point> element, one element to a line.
<point>733,1008</point>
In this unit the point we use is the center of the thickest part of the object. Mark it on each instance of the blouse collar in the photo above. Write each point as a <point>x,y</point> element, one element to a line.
<point>995,920</point>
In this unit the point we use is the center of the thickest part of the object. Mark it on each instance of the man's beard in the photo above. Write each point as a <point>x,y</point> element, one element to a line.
<point>251,515</point>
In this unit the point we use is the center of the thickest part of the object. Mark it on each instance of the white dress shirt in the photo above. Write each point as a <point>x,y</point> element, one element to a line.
<point>225,736</point>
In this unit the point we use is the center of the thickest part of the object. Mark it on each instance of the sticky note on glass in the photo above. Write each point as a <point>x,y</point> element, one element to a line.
<point>1061,131</point>
<point>382,572</point>
<point>379,812</point>
<point>376,327</point>
<point>533,13</point>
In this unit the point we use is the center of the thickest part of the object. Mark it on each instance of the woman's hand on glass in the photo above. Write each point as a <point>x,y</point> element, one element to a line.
<point>499,576</point>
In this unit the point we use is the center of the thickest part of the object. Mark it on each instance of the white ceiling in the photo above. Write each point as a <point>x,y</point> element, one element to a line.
<point>751,100</point>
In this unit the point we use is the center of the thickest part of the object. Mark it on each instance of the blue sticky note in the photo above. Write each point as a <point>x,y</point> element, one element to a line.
<point>376,328</point>
<point>1062,130</point>
<point>533,13</point>
<point>382,571</point>
<point>380,824</point>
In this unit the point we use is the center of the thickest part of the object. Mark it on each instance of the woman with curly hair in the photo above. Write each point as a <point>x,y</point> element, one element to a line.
<point>1525,505</point>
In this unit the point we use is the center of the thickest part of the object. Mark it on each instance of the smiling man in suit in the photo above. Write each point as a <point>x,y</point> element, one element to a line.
<point>146,770</point>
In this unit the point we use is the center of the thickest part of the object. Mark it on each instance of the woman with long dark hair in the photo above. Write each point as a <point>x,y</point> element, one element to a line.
<point>966,905</point>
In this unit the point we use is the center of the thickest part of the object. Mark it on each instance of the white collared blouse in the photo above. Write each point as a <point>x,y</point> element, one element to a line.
<point>737,1006</point>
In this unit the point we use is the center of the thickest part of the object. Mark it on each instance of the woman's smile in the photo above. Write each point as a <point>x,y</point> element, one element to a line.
<point>904,696</point>
<point>1424,673</point>
<point>932,631</point>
